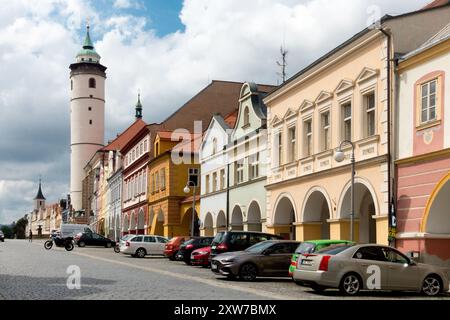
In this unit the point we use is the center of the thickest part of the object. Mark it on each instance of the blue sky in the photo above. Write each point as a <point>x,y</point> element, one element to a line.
<point>169,49</point>
<point>162,15</point>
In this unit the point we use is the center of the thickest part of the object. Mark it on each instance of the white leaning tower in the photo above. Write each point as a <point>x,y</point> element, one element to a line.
<point>87,114</point>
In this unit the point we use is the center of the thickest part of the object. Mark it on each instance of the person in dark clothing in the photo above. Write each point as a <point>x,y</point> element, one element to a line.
<point>30,237</point>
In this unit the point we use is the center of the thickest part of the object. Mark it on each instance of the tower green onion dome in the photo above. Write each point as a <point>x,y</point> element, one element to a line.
<point>88,53</point>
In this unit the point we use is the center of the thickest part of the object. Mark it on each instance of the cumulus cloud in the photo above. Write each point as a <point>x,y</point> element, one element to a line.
<point>227,40</point>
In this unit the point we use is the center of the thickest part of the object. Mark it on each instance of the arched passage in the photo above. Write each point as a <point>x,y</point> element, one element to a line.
<point>237,219</point>
<point>365,208</point>
<point>208,225</point>
<point>141,222</point>
<point>221,222</point>
<point>316,212</point>
<point>437,216</point>
<point>186,223</point>
<point>125,224</point>
<point>157,223</point>
<point>284,217</point>
<point>254,217</point>
<point>132,228</point>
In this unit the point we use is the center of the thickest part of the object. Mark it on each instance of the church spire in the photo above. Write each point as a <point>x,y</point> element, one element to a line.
<point>87,41</point>
<point>39,195</point>
<point>139,107</point>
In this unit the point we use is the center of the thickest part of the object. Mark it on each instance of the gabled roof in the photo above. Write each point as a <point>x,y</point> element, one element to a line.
<point>122,139</point>
<point>219,97</point>
<point>441,36</point>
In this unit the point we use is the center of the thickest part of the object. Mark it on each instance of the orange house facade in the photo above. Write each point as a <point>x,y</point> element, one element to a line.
<point>423,158</point>
<point>169,207</point>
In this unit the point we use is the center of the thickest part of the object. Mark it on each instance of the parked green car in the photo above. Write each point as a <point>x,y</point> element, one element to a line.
<point>312,246</point>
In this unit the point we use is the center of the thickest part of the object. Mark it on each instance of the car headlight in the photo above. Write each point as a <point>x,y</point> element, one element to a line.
<point>226,260</point>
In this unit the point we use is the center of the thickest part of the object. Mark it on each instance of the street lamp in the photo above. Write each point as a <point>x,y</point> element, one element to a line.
<point>339,156</point>
<point>187,190</point>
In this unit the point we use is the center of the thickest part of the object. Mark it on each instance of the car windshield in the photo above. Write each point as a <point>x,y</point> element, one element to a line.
<point>305,247</point>
<point>218,238</point>
<point>126,237</point>
<point>188,242</point>
<point>335,249</point>
<point>259,247</point>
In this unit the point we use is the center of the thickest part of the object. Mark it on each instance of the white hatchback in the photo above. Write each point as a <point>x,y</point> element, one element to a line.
<point>142,245</point>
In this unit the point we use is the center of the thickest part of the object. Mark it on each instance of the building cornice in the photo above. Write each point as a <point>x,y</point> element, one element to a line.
<point>424,157</point>
<point>347,50</point>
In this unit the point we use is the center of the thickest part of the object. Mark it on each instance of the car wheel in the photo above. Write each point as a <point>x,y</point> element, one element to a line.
<point>350,284</point>
<point>431,286</point>
<point>299,283</point>
<point>108,245</point>
<point>317,288</point>
<point>81,244</point>
<point>140,253</point>
<point>248,272</point>
<point>172,257</point>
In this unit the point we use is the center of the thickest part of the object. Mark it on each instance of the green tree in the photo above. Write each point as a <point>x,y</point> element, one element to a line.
<point>7,231</point>
<point>20,227</point>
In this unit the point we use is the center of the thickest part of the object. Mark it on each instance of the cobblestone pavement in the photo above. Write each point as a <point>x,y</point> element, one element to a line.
<point>28,271</point>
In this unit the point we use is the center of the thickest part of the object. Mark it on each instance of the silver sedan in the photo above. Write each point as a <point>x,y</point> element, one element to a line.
<point>368,267</point>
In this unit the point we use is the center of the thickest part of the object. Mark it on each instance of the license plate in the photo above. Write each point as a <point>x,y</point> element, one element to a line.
<point>213,266</point>
<point>307,262</point>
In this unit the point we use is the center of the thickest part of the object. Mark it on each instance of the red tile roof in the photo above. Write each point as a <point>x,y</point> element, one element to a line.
<point>231,118</point>
<point>122,139</point>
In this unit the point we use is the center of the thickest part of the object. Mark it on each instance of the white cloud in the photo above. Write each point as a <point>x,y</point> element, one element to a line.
<point>127,4</point>
<point>228,39</point>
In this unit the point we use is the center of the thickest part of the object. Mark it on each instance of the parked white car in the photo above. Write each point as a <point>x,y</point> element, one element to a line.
<point>142,245</point>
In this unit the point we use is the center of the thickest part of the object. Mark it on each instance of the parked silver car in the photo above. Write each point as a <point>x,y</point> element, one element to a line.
<point>368,267</point>
<point>142,245</point>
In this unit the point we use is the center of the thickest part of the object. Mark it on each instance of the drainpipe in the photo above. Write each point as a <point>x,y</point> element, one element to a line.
<point>389,110</point>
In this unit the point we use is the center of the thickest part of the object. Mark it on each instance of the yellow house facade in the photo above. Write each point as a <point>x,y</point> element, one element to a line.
<point>344,101</point>
<point>341,98</point>
<point>170,209</point>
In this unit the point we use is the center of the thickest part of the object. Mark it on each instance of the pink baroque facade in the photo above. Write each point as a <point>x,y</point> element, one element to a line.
<point>423,151</point>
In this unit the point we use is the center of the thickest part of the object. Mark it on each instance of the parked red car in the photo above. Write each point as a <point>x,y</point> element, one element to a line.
<point>199,257</point>
<point>173,246</point>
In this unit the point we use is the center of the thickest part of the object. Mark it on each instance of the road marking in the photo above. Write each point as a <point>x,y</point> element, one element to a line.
<point>214,283</point>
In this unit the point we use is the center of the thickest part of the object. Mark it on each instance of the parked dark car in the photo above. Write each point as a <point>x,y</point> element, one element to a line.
<point>2,236</point>
<point>93,239</point>
<point>228,241</point>
<point>184,253</point>
<point>265,259</point>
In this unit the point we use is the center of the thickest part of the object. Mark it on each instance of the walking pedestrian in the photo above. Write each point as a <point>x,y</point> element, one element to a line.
<point>30,237</point>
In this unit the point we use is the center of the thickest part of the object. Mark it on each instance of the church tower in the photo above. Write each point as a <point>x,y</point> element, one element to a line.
<point>87,114</point>
<point>39,200</point>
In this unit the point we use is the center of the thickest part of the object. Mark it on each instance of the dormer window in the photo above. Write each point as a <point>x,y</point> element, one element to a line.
<point>92,83</point>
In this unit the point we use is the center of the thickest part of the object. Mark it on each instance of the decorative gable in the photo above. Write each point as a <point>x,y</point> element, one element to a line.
<point>306,105</point>
<point>323,96</point>
<point>276,121</point>
<point>366,74</point>
<point>290,113</point>
<point>344,85</point>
